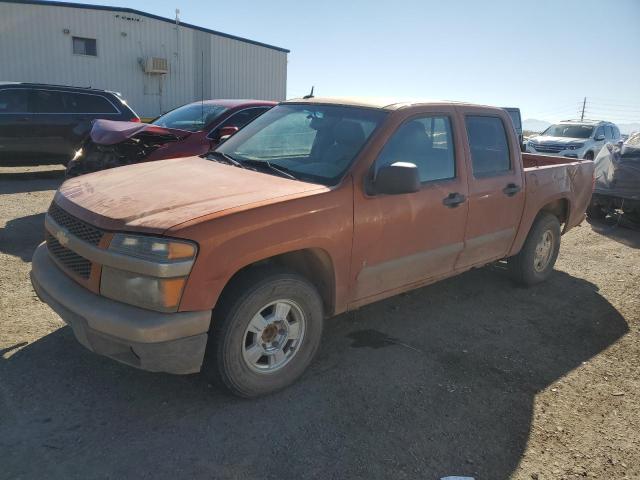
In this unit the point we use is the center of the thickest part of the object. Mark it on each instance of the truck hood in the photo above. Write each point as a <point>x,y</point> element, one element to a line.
<point>110,132</point>
<point>155,196</point>
<point>560,140</point>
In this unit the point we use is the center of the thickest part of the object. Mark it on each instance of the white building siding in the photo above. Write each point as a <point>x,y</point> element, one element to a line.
<point>33,48</point>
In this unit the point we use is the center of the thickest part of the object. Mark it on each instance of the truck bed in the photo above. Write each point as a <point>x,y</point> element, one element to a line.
<point>550,177</point>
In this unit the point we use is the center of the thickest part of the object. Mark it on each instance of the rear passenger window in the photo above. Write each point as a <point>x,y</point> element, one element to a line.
<point>47,101</point>
<point>14,101</point>
<point>488,145</point>
<point>426,142</point>
<point>87,103</point>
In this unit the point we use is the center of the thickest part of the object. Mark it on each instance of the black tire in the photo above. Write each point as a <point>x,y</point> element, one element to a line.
<point>225,363</point>
<point>589,156</point>
<point>596,212</point>
<point>526,267</point>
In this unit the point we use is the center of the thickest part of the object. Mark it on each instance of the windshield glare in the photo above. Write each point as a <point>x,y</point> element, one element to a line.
<point>192,117</point>
<point>313,142</point>
<point>569,131</point>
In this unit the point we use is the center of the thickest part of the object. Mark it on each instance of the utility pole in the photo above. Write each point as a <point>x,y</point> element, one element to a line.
<point>584,104</point>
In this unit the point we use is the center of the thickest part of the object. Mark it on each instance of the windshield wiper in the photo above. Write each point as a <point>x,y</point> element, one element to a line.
<point>282,171</point>
<point>227,158</point>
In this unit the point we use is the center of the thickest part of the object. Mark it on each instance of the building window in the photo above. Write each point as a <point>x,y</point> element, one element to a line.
<point>85,46</point>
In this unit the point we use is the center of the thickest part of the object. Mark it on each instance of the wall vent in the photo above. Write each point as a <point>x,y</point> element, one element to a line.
<point>156,65</point>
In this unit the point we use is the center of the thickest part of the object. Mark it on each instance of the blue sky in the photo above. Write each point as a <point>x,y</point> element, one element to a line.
<point>543,55</point>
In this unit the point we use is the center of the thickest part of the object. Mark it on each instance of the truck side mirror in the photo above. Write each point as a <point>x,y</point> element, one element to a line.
<point>226,132</point>
<point>599,138</point>
<point>397,178</point>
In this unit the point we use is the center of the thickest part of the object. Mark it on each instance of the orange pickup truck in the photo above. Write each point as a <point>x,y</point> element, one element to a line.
<point>234,259</point>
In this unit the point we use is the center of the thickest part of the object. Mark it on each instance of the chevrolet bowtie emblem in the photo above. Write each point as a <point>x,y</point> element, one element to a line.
<point>63,238</point>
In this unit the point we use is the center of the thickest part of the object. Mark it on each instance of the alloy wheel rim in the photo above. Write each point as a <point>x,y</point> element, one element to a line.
<point>543,252</point>
<point>273,336</point>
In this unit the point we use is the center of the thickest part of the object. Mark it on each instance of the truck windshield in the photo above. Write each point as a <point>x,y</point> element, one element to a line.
<point>192,117</point>
<point>315,143</point>
<point>570,131</point>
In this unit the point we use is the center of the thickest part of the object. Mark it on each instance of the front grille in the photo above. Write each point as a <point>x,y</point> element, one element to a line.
<point>549,147</point>
<point>77,227</point>
<point>67,258</point>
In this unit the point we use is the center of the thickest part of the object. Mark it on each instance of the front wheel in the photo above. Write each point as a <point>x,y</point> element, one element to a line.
<point>534,263</point>
<point>265,332</point>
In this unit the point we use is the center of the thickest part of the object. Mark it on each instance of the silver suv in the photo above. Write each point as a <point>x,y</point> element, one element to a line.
<point>574,139</point>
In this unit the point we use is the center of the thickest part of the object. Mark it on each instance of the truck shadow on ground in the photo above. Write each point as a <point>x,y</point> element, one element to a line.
<point>30,231</point>
<point>436,382</point>
<point>30,181</point>
<point>622,231</point>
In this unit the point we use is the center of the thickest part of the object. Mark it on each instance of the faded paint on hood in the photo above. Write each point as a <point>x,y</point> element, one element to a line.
<point>110,132</point>
<point>153,197</point>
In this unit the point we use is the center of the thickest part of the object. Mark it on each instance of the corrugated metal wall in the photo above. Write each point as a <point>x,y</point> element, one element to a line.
<point>33,48</point>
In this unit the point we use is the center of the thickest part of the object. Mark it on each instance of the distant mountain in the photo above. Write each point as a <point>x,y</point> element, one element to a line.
<point>628,127</point>
<point>534,125</point>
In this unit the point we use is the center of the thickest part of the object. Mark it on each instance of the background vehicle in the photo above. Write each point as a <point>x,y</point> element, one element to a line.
<point>46,121</point>
<point>316,207</point>
<point>516,118</point>
<point>191,129</point>
<point>574,139</point>
<point>617,180</point>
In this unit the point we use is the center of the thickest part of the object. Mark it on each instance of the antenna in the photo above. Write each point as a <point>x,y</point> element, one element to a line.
<point>202,87</point>
<point>310,94</point>
<point>584,104</point>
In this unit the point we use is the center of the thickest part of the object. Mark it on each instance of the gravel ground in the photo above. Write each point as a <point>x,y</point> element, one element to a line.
<point>471,376</point>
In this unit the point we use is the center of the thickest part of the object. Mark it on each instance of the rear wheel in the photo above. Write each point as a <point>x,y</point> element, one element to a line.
<point>596,212</point>
<point>265,332</point>
<point>534,263</point>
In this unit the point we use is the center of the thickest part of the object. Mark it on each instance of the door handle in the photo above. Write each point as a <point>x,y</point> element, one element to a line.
<point>511,189</point>
<point>453,200</point>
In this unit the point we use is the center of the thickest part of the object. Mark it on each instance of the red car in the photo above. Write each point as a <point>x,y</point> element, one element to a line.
<point>191,129</point>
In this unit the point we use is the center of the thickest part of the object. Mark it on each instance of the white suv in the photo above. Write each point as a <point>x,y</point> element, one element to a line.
<point>574,139</point>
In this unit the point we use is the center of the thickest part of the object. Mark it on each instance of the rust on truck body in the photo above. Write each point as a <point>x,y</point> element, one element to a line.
<point>372,246</point>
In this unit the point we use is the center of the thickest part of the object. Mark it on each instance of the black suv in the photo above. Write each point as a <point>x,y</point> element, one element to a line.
<point>51,121</point>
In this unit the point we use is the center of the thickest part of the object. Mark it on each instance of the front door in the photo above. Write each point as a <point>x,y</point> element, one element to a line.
<point>15,122</point>
<point>496,194</point>
<point>402,240</point>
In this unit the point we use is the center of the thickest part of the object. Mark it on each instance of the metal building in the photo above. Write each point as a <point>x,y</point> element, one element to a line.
<point>156,63</point>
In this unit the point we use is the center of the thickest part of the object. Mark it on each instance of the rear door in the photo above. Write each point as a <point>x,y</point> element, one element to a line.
<point>496,194</point>
<point>51,123</point>
<point>83,108</point>
<point>15,121</point>
<point>402,240</point>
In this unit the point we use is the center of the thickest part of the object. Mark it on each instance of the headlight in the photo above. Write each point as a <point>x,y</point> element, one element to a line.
<point>153,249</point>
<point>140,281</point>
<point>575,146</point>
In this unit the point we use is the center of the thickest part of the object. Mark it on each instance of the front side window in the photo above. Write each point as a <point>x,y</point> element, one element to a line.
<point>48,101</point>
<point>488,145</point>
<point>427,143</point>
<point>192,117</point>
<point>312,142</point>
<point>14,100</point>
<point>568,131</point>
<point>85,46</point>
<point>608,132</point>
<point>241,118</point>
<point>85,103</point>
<point>599,132</point>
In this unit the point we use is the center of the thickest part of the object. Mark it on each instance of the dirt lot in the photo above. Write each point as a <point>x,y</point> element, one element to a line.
<point>471,376</point>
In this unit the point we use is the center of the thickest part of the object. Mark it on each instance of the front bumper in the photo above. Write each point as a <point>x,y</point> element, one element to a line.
<point>577,153</point>
<point>158,342</point>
